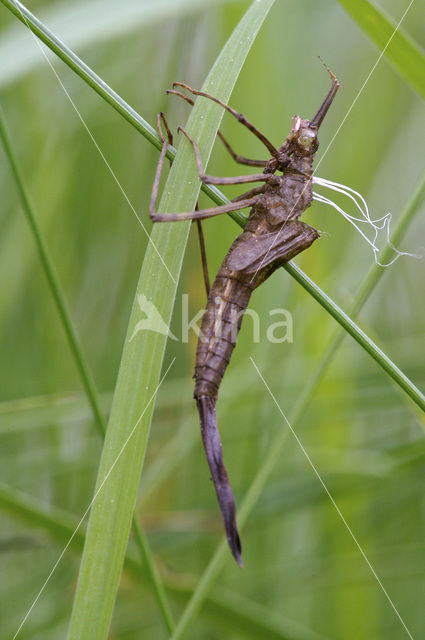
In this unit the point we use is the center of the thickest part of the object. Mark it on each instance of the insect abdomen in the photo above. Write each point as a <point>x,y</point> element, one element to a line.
<point>227,302</point>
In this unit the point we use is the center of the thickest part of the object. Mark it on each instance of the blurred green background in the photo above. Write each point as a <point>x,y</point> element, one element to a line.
<point>304,575</point>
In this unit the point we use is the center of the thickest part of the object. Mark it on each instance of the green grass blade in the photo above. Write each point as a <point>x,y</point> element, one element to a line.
<point>88,24</point>
<point>275,450</point>
<point>147,557</point>
<point>134,118</point>
<point>376,271</point>
<point>359,336</point>
<point>141,362</point>
<point>112,98</point>
<point>57,522</point>
<point>81,69</point>
<point>406,55</point>
<point>256,619</point>
<point>355,331</point>
<point>77,351</point>
<point>251,619</point>
<point>370,281</point>
<point>60,524</point>
<point>53,281</point>
<point>217,198</point>
<point>368,285</point>
<point>102,88</point>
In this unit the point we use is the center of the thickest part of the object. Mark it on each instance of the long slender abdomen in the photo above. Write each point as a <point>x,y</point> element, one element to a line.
<point>227,302</point>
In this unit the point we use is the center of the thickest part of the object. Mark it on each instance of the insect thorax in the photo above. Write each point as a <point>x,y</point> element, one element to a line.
<point>286,200</point>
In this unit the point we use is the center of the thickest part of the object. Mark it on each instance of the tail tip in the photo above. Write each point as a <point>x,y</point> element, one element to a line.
<point>236,547</point>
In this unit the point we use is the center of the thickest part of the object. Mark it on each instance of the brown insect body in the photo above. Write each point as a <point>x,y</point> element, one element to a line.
<point>263,246</point>
<point>272,236</point>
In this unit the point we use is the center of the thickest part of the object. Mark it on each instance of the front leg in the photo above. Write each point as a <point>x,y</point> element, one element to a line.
<point>155,186</point>
<point>256,177</point>
<point>203,213</point>
<point>256,191</point>
<point>248,200</point>
<point>239,117</point>
<point>238,158</point>
<point>193,215</point>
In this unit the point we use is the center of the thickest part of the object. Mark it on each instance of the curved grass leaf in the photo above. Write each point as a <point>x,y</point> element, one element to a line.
<point>103,89</point>
<point>137,384</point>
<point>53,281</point>
<point>77,351</point>
<point>247,613</point>
<point>250,618</point>
<point>406,55</point>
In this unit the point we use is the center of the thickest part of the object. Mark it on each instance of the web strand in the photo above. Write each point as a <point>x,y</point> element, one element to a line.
<point>377,225</point>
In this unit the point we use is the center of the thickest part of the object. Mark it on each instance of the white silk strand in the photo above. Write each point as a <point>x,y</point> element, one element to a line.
<point>377,225</point>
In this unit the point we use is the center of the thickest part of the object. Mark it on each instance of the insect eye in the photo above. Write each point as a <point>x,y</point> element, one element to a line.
<point>306,138</point>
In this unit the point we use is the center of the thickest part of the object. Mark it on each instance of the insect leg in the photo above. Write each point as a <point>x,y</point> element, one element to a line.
<point>238,158</point>
<point>256,177</point>
<point>252,192</point>
<point>198,222</point>
<point>239,117</point>
<point>203,213</point>
<point>181,95</point>
<point>161,116</point>
<point>193,215</point>
<point>203,255</point>
<point>155,187</point>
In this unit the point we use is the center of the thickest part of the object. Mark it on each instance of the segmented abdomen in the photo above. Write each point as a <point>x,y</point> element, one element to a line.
<point>227,302</point>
